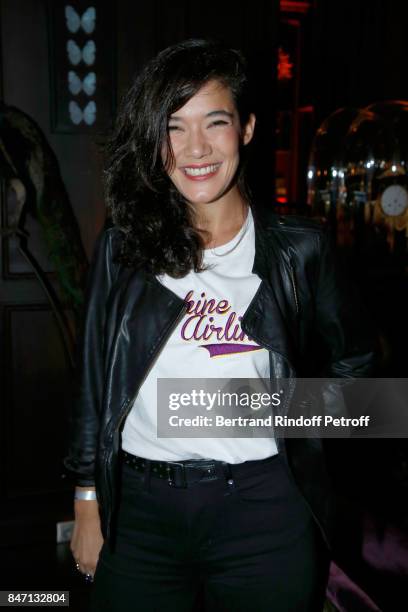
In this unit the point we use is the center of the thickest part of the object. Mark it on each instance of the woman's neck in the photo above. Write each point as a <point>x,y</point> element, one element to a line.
<point>220,221</point>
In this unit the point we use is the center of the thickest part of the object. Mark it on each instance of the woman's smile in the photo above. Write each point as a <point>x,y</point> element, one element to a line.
<point>201,172</point>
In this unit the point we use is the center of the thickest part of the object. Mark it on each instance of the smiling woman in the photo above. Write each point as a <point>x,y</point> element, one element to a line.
<point>192,282</point>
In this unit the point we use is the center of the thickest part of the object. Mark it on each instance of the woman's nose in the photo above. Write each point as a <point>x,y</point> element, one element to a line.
<point>197,144</point>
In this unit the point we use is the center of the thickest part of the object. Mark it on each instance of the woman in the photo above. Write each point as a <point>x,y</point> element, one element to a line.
<point>192,282</point>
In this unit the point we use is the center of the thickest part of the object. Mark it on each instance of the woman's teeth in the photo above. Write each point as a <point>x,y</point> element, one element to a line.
<point>201,171</point>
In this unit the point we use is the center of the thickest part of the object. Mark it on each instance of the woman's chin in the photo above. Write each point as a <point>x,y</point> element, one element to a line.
<point>201,200</point>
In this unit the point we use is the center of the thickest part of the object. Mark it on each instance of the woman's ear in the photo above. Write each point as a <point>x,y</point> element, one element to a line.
<point>248,131</point>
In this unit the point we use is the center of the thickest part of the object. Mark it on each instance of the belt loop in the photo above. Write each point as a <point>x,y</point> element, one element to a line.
<point>228,476</point>
<point>146,475</point>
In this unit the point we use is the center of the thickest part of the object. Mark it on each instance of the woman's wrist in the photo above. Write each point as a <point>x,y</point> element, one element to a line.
<point>86,502</point>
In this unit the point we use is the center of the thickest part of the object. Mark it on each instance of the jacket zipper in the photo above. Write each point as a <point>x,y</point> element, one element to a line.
<point>292,386</point>
<point>129,402</point>
<point>294,288</point>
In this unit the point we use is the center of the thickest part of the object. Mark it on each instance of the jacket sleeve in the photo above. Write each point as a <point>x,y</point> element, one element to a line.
<point>342,323</point>
<point>84,422</point>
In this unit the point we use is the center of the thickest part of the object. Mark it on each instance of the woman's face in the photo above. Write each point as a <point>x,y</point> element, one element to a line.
<point>205,136</point>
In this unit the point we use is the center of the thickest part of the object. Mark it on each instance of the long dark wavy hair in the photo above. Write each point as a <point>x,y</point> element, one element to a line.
<point>157,222</point>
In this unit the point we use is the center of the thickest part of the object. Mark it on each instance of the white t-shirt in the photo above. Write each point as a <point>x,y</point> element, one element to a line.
<point>207,343</point>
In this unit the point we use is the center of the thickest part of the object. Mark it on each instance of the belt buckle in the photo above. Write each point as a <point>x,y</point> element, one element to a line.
<point>171,481</point>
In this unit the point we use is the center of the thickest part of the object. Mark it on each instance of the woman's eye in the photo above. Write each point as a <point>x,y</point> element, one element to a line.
<point>173,128</point>
<point>218,122</point>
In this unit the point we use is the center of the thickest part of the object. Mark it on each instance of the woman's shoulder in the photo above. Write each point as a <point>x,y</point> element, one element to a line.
<point>272,220</point>
<point>105,257</point>
<point>111,230</point>
<point>293,233</point>
<point>109,240</point>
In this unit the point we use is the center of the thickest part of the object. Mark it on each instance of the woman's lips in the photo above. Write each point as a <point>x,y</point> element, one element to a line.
<point>200,173</point>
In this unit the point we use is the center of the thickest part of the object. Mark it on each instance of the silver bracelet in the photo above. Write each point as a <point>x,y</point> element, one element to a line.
<point>85,495</point>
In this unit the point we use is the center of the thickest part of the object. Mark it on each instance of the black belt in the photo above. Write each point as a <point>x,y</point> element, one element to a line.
<point>183,473</point>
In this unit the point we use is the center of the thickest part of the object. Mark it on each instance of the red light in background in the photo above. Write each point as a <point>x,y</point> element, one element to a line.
<point>285,66</point>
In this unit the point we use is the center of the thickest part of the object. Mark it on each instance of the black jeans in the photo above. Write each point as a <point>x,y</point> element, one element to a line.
<point>250,547</point>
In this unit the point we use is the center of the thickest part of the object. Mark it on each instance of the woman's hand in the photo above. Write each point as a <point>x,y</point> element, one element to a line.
<point>87,539</point>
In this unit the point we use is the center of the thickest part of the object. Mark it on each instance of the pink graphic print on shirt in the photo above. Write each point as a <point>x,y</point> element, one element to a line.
<point>199,325</point>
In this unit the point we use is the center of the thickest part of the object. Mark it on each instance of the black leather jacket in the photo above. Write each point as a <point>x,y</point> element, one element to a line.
<point>301,313</point>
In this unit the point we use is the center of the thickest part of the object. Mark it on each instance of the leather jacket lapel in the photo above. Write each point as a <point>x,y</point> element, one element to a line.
<point>150,312</point>
<point>267,319</point>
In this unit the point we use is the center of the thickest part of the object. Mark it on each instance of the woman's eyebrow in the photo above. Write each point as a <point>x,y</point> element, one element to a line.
<point>220,112</point>
<point>210,114</point>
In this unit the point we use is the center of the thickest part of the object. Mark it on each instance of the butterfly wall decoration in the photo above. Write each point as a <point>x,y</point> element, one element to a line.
<point>77,55</point>
<point>76,84</point>
<point>75,22</point>
<point>77,114</point>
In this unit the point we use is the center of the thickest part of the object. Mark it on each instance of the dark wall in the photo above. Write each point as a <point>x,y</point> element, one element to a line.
<point>360,53</point>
